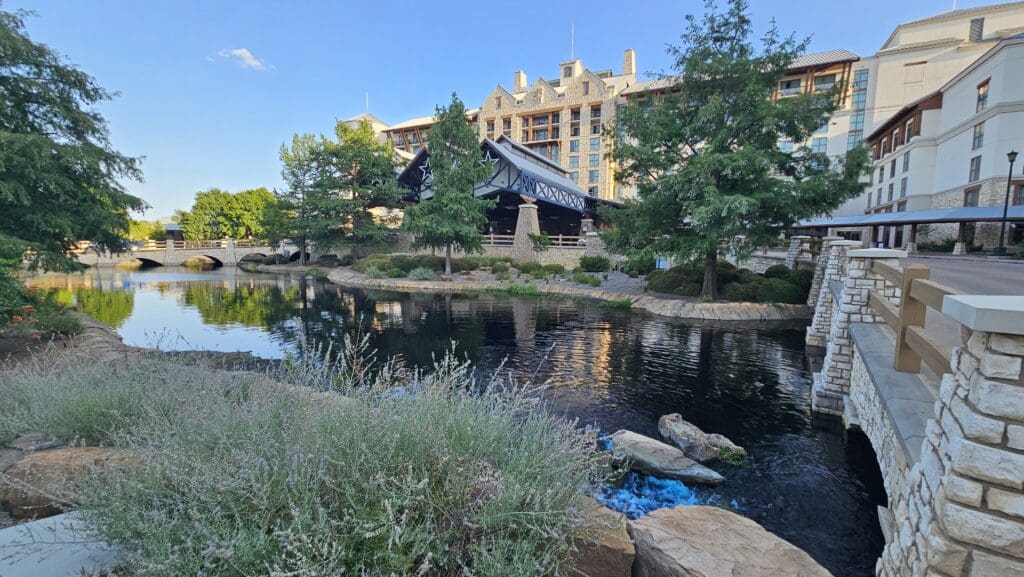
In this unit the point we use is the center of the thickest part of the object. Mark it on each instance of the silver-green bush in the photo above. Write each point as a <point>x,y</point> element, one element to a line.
<point>395,472</point>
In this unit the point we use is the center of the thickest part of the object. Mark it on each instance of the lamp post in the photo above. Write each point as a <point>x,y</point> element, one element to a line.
<point>1001,250</point>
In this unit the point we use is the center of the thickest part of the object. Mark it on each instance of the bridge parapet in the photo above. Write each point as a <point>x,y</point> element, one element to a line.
<point>171,253</point>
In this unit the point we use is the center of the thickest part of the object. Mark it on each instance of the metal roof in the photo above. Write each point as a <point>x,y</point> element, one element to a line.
<point>934,215</point>
<point>823,58</point>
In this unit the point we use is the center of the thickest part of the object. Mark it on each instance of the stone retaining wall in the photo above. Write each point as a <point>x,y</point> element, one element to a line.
<point>661,306</point>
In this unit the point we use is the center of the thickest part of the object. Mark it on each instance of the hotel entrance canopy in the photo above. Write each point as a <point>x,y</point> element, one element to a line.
<point>930,216</point>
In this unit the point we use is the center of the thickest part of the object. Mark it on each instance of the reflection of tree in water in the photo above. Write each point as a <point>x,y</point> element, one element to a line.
<point>110,307</point>
<point>260,305</point>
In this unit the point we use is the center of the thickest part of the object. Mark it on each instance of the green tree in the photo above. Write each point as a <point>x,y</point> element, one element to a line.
<point>60,179</point>
<point>303,173</point>
<point>145,230</point>
<point>453,217</point>
<point>217,213</point>
<point>705,153</point>
<point>351,205</point>
<point>249,212</point>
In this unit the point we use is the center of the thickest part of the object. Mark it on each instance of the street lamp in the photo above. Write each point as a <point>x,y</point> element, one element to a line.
<point>1001,250</point>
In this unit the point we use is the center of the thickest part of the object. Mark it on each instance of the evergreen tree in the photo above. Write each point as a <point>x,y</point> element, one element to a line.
<point>303,173</point>
<point>352,204</point>
<point>60,180</point>
<point>453,218</point>
<point>705,156</point>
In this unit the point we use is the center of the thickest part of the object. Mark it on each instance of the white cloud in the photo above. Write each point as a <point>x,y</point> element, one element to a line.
<point>244,58</point>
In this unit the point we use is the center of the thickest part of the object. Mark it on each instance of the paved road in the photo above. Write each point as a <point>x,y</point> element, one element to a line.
<point>972,276</point>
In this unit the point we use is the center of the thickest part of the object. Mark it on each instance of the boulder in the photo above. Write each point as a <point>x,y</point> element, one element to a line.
<point>721,442</point>
<point>603,548</point>
<point>34,442</point>
<point>692,441</point>
<point>690,541</point>
<point>650,456</point>
<point>41,481</point>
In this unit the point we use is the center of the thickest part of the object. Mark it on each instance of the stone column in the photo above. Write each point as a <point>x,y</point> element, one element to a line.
<point>835,271</point>
<point>960,247</point>
<point>797,245</point>
<point>832,384</point>
<point>819,269</point>
<point>229,253</point>
<point>965,496</point>
<point>911,246</point>
<point>527,223</point>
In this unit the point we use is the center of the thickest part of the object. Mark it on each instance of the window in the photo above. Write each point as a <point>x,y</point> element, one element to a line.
<point>789,87</point>
<point>592,176</point>
<point>892,169</point>
<point>854,138</point>
<point>906,161</point>
<point>414,138</point>
<point>497,102</point>
<point>592,190</point>
<point>595,128</point>
<point>574,114</point>
<point>903,187</point>
<point>595,143</point>
<point>506,124</point>
<point>526,135</point>
<point>971,196</point>
<point>857,121</point>
<point>540,134</point>
<point>979,136</point>
<point>823,127</point>
<point>786,146</point>
<point>860,79</point>
<point>982,96</point>
<point>859,100</point>
<point>975,171</point>
<point>889,198</point>
<point>574,146</point>
<point>399,140</point>
<point>567,72</point>
<point>910,129</point>
<point>897,138</point>
<point>819,145</point>
<point>490,128</point>
<point>881,174</point>
<point>526,121</point>
<point>1018,194</point>
<point>879,199</point>
<point>595,111</point>
<point>823,83</point>
<point>586,88</point>
<point>595,160</point>
<point>574,176</point>
<point>901,207</point>
<point>885,147</point>
<point>977,29</point>
<point>574,131</point>
<point>574,161</point>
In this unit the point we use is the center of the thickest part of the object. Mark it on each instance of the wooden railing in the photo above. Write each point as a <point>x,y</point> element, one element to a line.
<point>563,240</point>
<point>918,294</point>
<point>499,239</point>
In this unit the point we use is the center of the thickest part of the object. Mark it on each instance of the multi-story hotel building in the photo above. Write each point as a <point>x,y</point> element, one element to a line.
<point>562,118</point>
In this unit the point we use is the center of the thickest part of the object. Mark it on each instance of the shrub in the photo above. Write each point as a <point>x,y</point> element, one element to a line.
<point>555,269</point>
<point>775,290</point>
<point>396,272</point>
<point>527,290</point>
<point>272,259</point>
<point>620,304</point>
<point>528,267</point>
<point>595,263</point>
<point>777,271</point>
<point>741,292</point>
<point>378,261</point>
<point>503,275</point>
<point>346,260</point>
<point>801,278</point>
<point>316,272</point>
<point>639,265</point>
<point>467,263</point>
<point>422,273</point>
<point>500,267</point>
<point>373,272</point>
<point>237,475</point>
<point>683,280</point>
<point>581,277</point>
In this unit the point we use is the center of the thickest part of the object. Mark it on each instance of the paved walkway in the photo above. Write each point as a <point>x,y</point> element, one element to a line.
<point>971,275</point>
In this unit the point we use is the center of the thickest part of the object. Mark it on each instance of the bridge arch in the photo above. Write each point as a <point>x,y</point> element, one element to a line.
<point>295,257</point>
<point>143,262</point>
<point>253,256</point>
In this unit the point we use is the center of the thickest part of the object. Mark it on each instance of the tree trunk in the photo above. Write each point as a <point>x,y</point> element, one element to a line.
<point>302,249</point>
<point>710,289</point>
<point>448,260</point>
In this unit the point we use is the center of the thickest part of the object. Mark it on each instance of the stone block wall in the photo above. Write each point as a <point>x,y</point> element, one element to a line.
<point>832,384</point>
<point>992,193</point>
<point>760,263</point>
<point>833,266</point>
<point>964,500</point>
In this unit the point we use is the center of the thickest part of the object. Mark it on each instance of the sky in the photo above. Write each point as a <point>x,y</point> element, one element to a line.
<point>209,90</point>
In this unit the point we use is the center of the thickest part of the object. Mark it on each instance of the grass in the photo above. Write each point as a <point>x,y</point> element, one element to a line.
<point>515,290</point>
<point>732,457</point>
<point>393,471</point>
<point>315,272</point>
<point>619,304</point>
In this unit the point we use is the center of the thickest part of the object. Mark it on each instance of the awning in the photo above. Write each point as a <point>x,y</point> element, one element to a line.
<point>934,215</point>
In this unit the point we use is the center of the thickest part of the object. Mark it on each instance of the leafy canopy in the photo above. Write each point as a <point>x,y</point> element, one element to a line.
<point>217,213</point>
<point>453,217</point>
<point>60,179</point>
<point>705,156</point>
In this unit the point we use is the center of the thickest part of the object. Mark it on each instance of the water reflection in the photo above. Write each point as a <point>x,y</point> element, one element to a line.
<point>612,369</point>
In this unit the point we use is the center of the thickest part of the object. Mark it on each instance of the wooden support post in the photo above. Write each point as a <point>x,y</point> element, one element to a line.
<point>912,314</point>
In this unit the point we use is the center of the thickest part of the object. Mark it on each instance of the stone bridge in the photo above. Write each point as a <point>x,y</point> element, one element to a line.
<point>174,253</point>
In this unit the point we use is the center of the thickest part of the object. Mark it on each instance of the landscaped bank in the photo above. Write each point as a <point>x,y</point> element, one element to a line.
<point>678,308</point>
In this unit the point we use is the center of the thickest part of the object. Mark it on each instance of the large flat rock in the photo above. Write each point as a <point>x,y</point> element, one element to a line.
<point>651,456</point>
<point>604,549</point>
<point>690,541</point>
<point>53,547</point>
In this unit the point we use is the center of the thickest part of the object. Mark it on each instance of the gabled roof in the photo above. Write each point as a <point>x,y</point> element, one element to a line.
<point>366,116</point>
<point>526,150</point>
<point>951,15</point>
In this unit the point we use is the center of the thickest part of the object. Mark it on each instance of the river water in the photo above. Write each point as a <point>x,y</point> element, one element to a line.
<point>804,480</point>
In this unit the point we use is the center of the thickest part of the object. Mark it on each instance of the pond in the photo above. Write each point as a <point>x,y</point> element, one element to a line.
<point>614,369</point>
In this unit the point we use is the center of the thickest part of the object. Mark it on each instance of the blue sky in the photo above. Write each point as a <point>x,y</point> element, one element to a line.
<point>205,113</point>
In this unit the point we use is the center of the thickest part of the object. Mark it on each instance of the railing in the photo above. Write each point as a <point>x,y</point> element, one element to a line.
<point>159,245</point>
<point>499,239</point>
<point>567,241</point>
<point>918,294</point>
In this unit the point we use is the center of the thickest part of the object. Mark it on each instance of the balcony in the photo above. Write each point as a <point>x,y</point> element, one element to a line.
<point>789,91</point>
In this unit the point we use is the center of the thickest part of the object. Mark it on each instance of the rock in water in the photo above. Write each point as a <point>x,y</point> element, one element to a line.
<point>721,442</point>
<point>604,548</point>
<point>688,541</point>
<point>688,437</point>
<point>648,455</point>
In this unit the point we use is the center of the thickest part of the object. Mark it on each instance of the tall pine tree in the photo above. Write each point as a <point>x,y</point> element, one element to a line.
<point>705,156</point>
<point>453,218</point>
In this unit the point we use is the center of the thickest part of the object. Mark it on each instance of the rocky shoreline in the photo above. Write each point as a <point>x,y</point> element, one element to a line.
<point>675,308</point>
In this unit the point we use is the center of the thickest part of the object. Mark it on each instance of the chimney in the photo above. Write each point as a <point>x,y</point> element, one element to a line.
<point>519,82</point>
<point>629,63</point>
